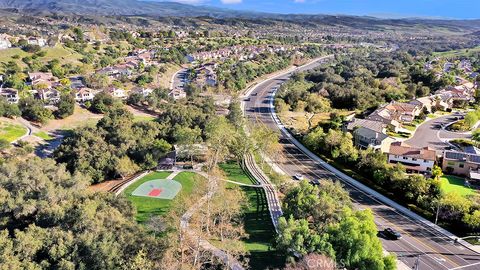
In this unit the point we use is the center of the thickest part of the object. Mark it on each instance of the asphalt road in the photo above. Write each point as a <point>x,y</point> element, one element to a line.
<point>433,249</point>
<point>179,79</point>
<point>432,134</point>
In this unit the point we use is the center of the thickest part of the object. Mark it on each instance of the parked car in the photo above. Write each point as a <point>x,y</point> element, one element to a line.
<point>392,234</point>
<point>298,177</point>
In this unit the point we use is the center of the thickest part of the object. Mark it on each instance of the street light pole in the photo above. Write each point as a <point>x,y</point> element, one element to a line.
<point>438,212</point>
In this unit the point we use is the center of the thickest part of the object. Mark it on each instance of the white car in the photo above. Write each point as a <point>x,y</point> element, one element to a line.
<point>298,177</point>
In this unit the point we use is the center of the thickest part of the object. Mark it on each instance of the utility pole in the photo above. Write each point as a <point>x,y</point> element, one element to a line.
<point>438,212</point>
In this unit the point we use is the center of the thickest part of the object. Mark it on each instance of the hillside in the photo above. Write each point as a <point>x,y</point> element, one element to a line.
<point>115,7</point>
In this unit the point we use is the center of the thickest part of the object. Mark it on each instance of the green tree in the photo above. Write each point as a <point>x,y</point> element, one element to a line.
<point>62,215</point>
<point>66,106</point>
<point>437,172</point>
<point>296,238</point>
<point>125,167</point>
<point>356,244</point>
<point>235,114</point>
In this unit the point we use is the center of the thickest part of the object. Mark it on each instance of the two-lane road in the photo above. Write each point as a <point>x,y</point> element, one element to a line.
<point>432,249</point>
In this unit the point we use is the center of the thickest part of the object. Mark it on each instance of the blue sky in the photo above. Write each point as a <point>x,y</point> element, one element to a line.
<point>459,9</point>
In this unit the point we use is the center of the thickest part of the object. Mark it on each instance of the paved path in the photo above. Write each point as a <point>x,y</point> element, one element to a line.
<point>420,237</point>
<point>274,205</point>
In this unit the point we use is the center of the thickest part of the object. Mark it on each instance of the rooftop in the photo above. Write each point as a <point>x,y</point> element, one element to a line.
<point>399,149</point>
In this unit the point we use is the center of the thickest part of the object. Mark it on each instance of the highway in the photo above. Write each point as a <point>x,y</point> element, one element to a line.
<point>422,244</point>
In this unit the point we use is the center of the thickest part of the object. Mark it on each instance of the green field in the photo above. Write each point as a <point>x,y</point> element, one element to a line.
<point>258,224</point>
<point>454,53</point>
<point>64,55</point>
<point>11,132</point>
<point>43,135</point>
<point>455,184</point>
<point>147,207</point>
<point>141,118</point>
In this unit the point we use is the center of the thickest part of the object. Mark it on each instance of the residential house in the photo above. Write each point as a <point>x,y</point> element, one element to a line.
<point>142,91</point>
<point>458,96</point>
<point>417,160</point>
<point>177,94</point>
<point>5,43</point>
<point>50,96</point>
<point>76,82</point>
<point>11,95</point>
<point>395,113</point>
<point>37,41</point>
<point>115,71</point>
<point>367,138</point>
<point>366,123</point>
<point>206,75</point>
<point>460,163</point>
<point>84,94</point>
<point>45,78</point>
<point>117,92</point>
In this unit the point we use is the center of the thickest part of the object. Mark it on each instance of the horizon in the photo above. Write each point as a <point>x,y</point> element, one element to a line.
<point>429,9</point>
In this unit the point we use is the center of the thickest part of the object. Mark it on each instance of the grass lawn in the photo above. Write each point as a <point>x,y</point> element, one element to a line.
<point>64,55</point>
<point>147,207</point>
<point>258,224</point>
<point>43,135</point>
<point>455,184</point>
<point>140,118</point>
<point>11,132</point>
<point>461,52</point>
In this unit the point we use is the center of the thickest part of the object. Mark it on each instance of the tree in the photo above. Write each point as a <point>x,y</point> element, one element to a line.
<point>219,133</point>
<point>355,242</point>
<point>103,102</point>
<point>66,106</point>
<point>471,119</point>
<point>125,167</point>
<point>437,172</point>
<point>296,238</point>
<point>235,115</point>
<point>34,110</point>
<point>188,138</point>
<point>62,215</point>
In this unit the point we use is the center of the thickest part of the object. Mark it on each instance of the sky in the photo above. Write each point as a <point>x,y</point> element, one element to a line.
<point>451,9</point>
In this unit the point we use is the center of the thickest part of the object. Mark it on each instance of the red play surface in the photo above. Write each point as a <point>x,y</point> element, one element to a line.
<point>155,192</point>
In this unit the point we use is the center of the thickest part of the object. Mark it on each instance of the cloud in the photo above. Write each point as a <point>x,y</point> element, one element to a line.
<point>231,1</point>
<point>190,2</point>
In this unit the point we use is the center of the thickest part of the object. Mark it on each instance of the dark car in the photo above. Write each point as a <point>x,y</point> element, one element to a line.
<point>391,234</point>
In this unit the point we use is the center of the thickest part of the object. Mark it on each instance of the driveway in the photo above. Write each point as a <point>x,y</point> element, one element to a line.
<point>432,134</point>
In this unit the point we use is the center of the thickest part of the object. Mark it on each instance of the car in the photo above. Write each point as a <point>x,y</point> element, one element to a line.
<point>298,177</point>
<point>254,94</point>
<point>392,234</point>
<point>315,182</point>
